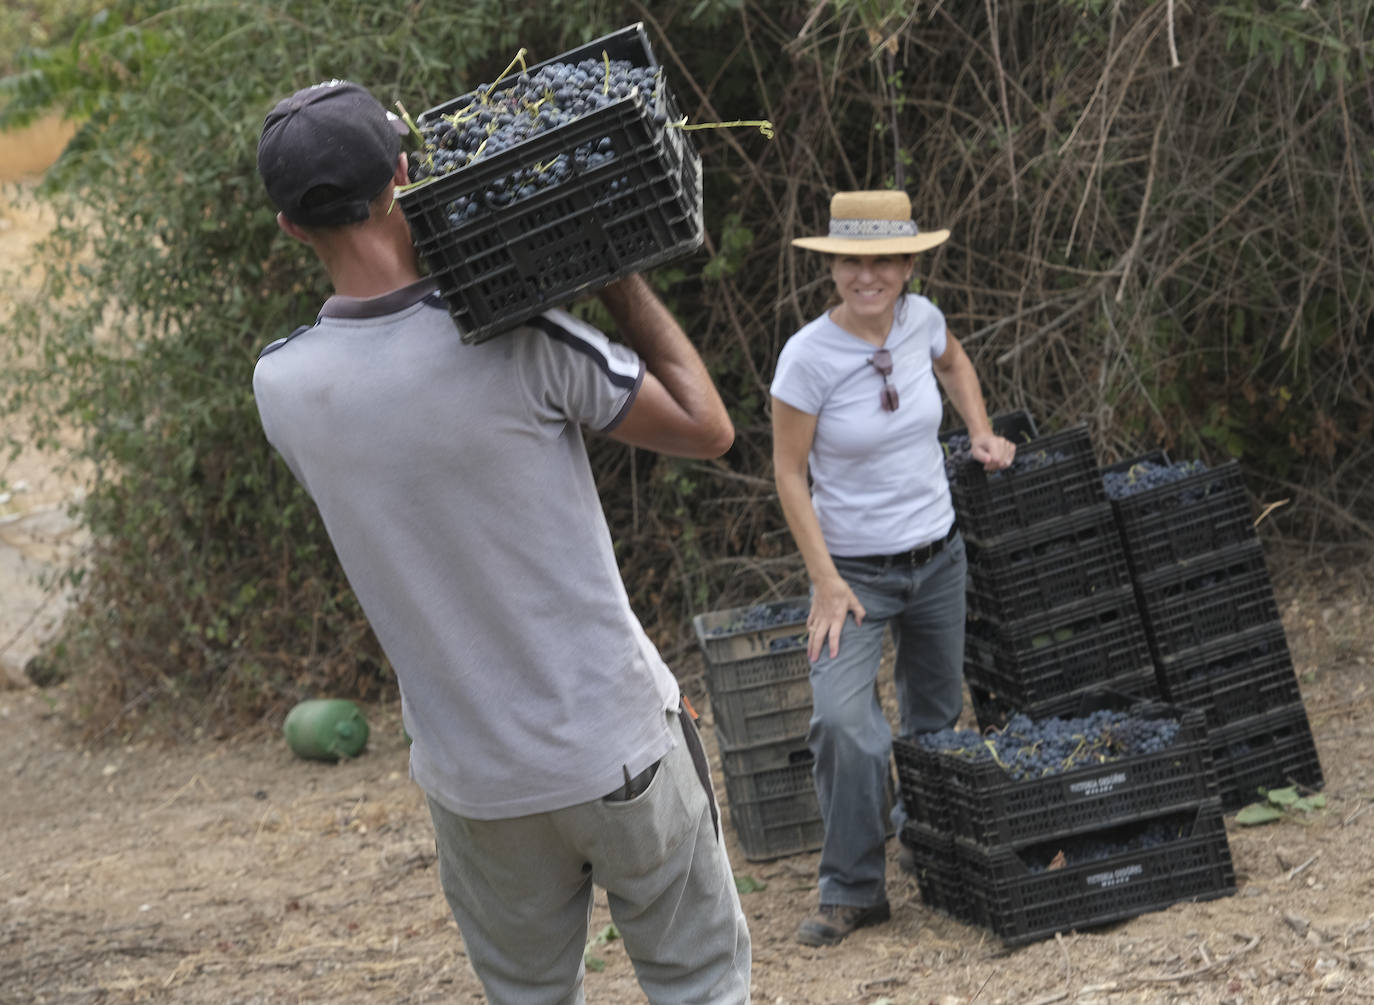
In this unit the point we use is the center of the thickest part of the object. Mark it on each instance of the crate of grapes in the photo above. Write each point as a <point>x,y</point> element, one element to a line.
<point>993,709</point>
<point>1056,562</point>
<point>1234,677</point>
<point>1017,426</point>
<point>739,633</point>
<point>937,872</point>
<point>1173,511</point>
<point>757,673</point>
<point>1216,594</point>
<point>1052,476</point>
<point>1099,876</point>
<point>1060,651</point>
<point>775,811</point>
<point>740,761</point>
<point>1269,751</point>
<point>549,183</point>
<point>762,700</point>
<point>1115,760</point>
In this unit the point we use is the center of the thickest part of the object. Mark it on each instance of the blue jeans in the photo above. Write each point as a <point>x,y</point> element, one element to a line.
<point>850,737</point>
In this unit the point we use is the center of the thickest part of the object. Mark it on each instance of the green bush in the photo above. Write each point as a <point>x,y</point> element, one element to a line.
<point>1176,250</point>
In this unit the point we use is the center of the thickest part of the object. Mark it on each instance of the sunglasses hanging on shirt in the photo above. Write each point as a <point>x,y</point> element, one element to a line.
<point>882,362</point>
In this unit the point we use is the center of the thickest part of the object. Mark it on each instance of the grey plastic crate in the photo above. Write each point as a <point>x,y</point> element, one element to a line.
<point>775,812</point>
<point>740,633</point>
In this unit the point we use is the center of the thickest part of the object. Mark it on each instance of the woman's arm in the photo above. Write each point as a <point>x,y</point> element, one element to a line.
<point>955,372</point>
<point>793,432</point>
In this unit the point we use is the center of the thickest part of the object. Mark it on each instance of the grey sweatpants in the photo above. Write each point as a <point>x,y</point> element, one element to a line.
<point>521,892</point>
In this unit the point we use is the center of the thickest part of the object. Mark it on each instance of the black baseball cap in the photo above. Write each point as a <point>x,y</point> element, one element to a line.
<point>326,152</point>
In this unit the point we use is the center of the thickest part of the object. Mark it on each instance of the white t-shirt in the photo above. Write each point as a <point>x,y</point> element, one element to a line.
<point>454,483</point>
<point>878,480</point>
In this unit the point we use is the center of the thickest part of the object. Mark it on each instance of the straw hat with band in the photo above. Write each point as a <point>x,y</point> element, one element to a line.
<point>872,223</point>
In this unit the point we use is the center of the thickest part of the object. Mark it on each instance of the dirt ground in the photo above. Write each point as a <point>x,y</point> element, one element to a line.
<point>234,872</point>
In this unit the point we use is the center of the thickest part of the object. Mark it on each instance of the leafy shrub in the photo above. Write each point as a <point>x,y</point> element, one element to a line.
<point>1161,224</point>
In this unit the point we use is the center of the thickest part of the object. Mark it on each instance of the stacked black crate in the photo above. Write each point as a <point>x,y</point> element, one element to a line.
<point>1213,624</point>
<point>1052,613</point>
<point>1112,812</point>
<point>758,680</point>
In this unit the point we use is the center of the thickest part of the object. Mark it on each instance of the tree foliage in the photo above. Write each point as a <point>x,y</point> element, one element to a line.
<point>1162,226</point>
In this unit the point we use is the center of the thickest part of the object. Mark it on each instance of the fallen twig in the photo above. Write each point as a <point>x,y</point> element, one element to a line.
<point>1068,964</point>
<point>1297,923</point>
<point>1215,964</point>
<point>877,982</point>
<point>1300,867</point>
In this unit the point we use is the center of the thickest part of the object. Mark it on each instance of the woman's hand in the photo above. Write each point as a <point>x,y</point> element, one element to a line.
<point>831,604</point>
<point>995,452</point>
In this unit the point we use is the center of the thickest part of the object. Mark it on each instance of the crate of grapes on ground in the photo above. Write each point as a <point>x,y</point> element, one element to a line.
<point>1273,750</point>
<point>757,674</point>
<point>549,183</point>
<point>1114,760</point>
<point>1097,877</point>
<point>993,709</point>
<point>771,799</point>
<point>1174,511</point>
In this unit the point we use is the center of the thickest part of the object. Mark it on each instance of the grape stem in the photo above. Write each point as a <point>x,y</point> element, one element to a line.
<point>405,117</point>
<point>519,58</point>
<point>765,125</point>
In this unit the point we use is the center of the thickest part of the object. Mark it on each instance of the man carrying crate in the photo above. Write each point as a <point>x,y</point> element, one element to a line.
<point>453,480</point>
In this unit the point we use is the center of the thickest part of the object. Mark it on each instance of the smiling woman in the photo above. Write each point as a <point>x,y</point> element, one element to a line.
<point>856,406</point>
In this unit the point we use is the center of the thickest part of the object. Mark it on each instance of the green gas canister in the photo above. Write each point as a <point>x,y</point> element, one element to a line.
<point>326,729</point>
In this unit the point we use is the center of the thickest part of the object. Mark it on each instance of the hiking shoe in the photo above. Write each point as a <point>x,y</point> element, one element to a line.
<point>832,922</point>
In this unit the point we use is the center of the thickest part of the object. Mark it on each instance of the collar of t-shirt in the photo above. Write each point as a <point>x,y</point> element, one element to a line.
<point>379,306</point>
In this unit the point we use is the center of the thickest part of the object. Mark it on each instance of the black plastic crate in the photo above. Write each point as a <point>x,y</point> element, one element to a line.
<point>921,786</point>
<point>1235,677</point>
<point>985,804</point>
<point>1270,751</point>
<point>1017,426</point>
<point>1179,521</point>
<point>1022,903</point>
<point>639,210</point>
<point>775,812</point>
<point>1216,594</point>
<point>1058,652</point>
<point>938,877</point>
<point>1060,475</point>
<point>991,710</point>
<point>1056,562</point>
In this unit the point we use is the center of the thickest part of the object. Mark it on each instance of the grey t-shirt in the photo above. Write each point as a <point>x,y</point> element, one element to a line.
<point>454,483</point>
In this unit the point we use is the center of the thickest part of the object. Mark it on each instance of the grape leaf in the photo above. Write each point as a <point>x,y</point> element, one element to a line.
<point>748,884</point>
<point>1258,813</point>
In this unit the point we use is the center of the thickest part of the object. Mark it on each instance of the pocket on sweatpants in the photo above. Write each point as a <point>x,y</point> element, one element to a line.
<point>641,834</point>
